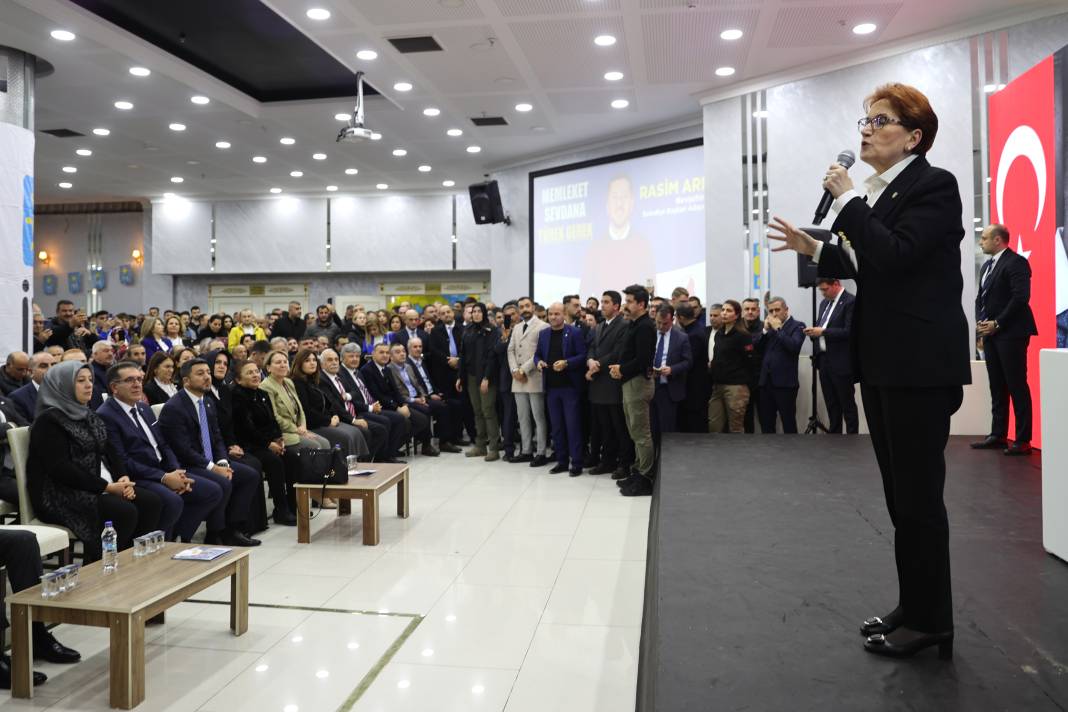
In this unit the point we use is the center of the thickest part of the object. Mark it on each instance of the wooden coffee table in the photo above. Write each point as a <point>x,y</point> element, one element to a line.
<point>122,601</point>
<point>366,488</point>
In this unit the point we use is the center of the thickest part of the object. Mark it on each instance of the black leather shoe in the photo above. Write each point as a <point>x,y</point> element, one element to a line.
<point>286,519</point>
<point>990,442</point>
<point>575,472</point>
<point>5,674</point>
<point>621,473</point>
<point>539,461</point>
<point>1018,448</point>
<point>448,447</point>
<point>47,648</point>
<point>879,645</point>
<point>429,450</point>
<point>590,462</point>
<point>522,458</point>
<point>557,469</point>
<point>628,480</point>
<point>884,625</point>
<point>236,538</point>
<point>602,469</point>
<point>641,487</point>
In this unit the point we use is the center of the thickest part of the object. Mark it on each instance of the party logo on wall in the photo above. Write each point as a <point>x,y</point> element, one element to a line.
<point>27,221</point>
<point>126,275</point>
<point>99,279</point>
<point>74,282</point>
<point>49,283</point>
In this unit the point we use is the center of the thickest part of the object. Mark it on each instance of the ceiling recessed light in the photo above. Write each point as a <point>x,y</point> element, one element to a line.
<point>474,149</point>
<point>724,71</point>
<point>731,34</point>
<point>343,117</point>
<point>102,132</point>
<point>123,105</point>
<point>331,188</point>
<point>524,107</point>
<point>431,111</point>
<point>319,156</point>
<point>176,127</point>
<point>276,191</point>
<point>69,169</point>
<point>318,13</point>
<point>62,35</point>
<point>200,99</point>
<point>259,159</point>
<point>400,152</point>
<point>424,168</point>
<point>367,54</point>
<point>620,103</point>
<point>287,141</point>
<point>375,136</point>
<point>296,174</point>
<point>402,86</point>
<point>864,28</point>
<point>448,183</point>
<point>65,185</point>
<point>760,114</point>
<point>382,186</point>
<point>613,76</point>
<point>177,179</point>
<point>351,171</point>
<point>455,132</point>
<point>84,152</point>
<point>222,144</point>
<point>604,40</point>
<point>140,71</point>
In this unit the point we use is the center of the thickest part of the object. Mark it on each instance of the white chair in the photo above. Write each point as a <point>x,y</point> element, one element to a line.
<point>18,439</point>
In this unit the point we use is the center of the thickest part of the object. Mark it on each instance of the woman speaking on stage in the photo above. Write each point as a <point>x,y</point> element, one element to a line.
<point>899,235</point>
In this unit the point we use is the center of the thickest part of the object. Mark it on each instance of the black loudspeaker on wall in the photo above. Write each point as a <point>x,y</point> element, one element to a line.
<point>806,268</point>
<point>486,204</point>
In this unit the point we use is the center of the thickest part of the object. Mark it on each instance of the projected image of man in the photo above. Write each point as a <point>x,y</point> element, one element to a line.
<point>620,256</point>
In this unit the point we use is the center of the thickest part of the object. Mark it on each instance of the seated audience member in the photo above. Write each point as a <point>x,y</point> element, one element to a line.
<point>414,393</point>
<point>214,329</point>
<point>782,340</point>
<point>74,355</point>
<point>728,368</point>
<point>228,324</point>
<point>173,332</point>
<point>396,324</point>
<point>288,411</point>
<point>478,377</point>
<point>26,397</point>
<point>41,333</point>
<point>357,327</point>
<point>412,328</point>
<point>153,338</point>
<point>247,327</point>
<point>159,379</point>
<point>321,343</point>
<point>10,417</point>
<point>561,357</point>
<point>69,329</point>
<point>324,325</point>
<point>340,404</point>
<point>189,330</point>
<point>76,478</point>
<point>368,407</point>
<point>292,347</point>
<point>377,379</point>
<point>258,433</point>
<point>56,351</point>
<point>291,324</point>
<point>103,359</point>
<point>190,426</point>
<point>136,353</point>
<point>149,460</point>
<point>278,343</point>
<point>257,354</point>
<point>672,362</point>
<point>15,373</point>
<point>320,420</point>
<point>240,353</point>
<point>437,393</point>
<point>182,354</point>
<point>21,556</point>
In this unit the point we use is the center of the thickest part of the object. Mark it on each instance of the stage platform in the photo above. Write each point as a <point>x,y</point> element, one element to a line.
<point>766,553</point>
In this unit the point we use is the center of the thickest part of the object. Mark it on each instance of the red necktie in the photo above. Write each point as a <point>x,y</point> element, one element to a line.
<point>348,403</point>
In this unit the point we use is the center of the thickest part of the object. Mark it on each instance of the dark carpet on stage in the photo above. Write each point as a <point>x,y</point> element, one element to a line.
<point>766,553</point>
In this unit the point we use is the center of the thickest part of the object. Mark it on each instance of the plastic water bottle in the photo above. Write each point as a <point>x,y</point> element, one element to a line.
<point>109,542</point>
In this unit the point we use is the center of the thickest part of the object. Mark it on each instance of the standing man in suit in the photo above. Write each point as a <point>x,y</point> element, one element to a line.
<point>693,411</point>
<point>606,393</point>
<point>781,340</point>
<point>830,348</point>
<point>633,369</point>
<point>26,397</point>
<point>672,361</point>
<point>560,356</point>
<point>191,428</point>
<point>412,329</point>
<point>752,323</point>
<point>1004,320</point>
<point>378,382</point>
<point>527,385</point>
<point>443,345</point>
<point>150,462</point>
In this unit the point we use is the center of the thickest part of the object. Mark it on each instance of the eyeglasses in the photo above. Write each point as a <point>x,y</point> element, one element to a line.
<point>130,380</point>
<point>876,122</point>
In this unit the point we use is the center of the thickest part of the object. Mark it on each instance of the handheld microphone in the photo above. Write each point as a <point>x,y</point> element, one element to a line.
<point>845,159</point>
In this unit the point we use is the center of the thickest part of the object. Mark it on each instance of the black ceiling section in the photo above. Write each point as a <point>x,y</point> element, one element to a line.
<point>489,121</point>
<point>240,42</point>
<point>411,45</point>
<point>62,133</point>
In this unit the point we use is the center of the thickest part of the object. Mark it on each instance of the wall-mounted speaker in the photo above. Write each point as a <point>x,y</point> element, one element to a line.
<point>486,204</point>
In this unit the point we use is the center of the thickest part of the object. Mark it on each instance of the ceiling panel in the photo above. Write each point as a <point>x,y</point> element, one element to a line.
<point>469,62</point>
<point>517,8</point>
<point>829,25</point>
<point>592,102</point>
<point>414,12</point>
<point>677,47</point>
<point>562,53</point>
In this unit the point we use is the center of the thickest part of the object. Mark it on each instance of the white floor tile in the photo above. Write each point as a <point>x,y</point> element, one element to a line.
<point>517,560</point>
<point>287,590</point>
<point>439,533</point>
<point>610,538</point>
<point>400,582</point>
<point>601,593</point>
<point>210,628</point>
<point>419,688</point>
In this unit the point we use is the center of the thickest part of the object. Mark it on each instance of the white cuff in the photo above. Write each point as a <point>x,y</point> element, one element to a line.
<point>844,198</point>
<point>818,252</point>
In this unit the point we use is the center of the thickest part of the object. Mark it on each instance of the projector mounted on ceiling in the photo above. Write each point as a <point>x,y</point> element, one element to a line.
<point>356,132</point>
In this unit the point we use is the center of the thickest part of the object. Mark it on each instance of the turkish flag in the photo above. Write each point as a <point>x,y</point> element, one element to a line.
<point>1022,131</point>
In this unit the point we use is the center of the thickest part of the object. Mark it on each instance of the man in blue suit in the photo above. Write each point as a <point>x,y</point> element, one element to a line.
<point>672,361</point>
<point>26,396</point>
<point>830,348</point>
<point>149,460</point>
<point>781,342</point>
<point>190,426</point>
<point>561,358</point>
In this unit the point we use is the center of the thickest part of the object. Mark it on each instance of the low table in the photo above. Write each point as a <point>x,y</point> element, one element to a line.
<point>140,589</point>
<point>363,487</point>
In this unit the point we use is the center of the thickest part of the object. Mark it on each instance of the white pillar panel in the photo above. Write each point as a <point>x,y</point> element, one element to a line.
<point>1053,364</point>
<point>725,239</point>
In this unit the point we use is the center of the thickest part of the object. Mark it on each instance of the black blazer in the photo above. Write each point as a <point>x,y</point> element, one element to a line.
<point>835,359</point>
<point>437,352</point>
<point>180,424</point>
<point>909,329</point>
<point>401,337</point>
<point>334,404</point>
<point>254,423</point>
<point>1005,298</point>
<point>316,410</point>
<point>380,387</point>
<point>362,406</point>
<point>154,393</point>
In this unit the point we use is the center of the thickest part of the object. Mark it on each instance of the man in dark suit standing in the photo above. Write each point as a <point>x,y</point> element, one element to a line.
<point>606,393</point>
<point>693,411</point>
<point>378,382</point>
<point>1004,321</point>
<point>560,356</point>
<point>781,341</point>
<point>752,322</point>
<point>436,394</point>
<point>412,329</point>
<point>830,348</point>
<point>443,346</point>
<point>672,362</point>
<point>190,426</point>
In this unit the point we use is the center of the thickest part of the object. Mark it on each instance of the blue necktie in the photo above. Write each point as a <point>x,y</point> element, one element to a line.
<point>412,393</point>
<point>823,315</point>
<point>452,343</point>
<point>205,434</point>
<point>659,355</point>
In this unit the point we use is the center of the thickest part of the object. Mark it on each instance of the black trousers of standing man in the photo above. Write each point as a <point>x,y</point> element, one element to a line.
<point>909,431</point>
<point>839,396</point>
<point>1006,367</point>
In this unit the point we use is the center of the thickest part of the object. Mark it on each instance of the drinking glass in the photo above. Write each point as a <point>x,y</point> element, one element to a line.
<point>48,585</point>
<point>141,546</point>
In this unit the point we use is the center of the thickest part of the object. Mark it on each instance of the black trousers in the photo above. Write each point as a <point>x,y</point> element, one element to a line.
<point>376,434</point>
<point>781,402</point>
<point>663,413</point>
<point>1006,367</point>
<point>130,517</point>
<point>281,474</point>
<point>396,426</point>
<point>617,449</point>
<point>838,394</point>
<point>419,422</point>
<point>508,417</point>
<point>909,430</point>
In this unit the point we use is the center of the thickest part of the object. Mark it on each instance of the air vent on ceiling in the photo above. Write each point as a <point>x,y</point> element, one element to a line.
<point>410,45</point>
<point>489,121</point>
<point>61,133</point>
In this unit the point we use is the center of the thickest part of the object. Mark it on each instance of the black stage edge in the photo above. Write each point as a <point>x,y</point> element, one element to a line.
<point>766,553</point>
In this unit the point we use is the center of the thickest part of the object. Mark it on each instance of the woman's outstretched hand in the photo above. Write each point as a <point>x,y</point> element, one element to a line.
<point>791,238</point>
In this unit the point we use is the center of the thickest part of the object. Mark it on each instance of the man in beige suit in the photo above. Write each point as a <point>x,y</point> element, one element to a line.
<point>526,385</point>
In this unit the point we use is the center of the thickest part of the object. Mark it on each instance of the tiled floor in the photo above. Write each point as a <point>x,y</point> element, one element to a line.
<point>507,589</point>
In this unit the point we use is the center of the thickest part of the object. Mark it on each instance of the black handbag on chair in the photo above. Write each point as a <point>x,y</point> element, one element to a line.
<point>321,466</point>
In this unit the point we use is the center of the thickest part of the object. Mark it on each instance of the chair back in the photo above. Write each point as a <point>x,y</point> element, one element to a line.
<point>157,408</point>
<point>18,439</point>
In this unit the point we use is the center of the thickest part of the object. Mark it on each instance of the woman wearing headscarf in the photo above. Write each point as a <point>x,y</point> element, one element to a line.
<point>478,376</point>
<point>76,479</point>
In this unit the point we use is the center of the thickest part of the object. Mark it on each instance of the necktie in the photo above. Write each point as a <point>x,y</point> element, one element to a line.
<point>825,313</point>
<point>452,342</point>
<point>523,331</point>
<point>137,421</point>
<point>348,403</point>
<point>988,267</point>
<point>363,390</point>
<point>412,393</point>
<point>205,434</point>
<point>658,357</point>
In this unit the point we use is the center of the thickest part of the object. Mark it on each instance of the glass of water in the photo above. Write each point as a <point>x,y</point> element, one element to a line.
<point>157,540</point>
<point>141,546</point>
<point>353,463</point>
<point>49,586</point>
<point>72,576</point>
